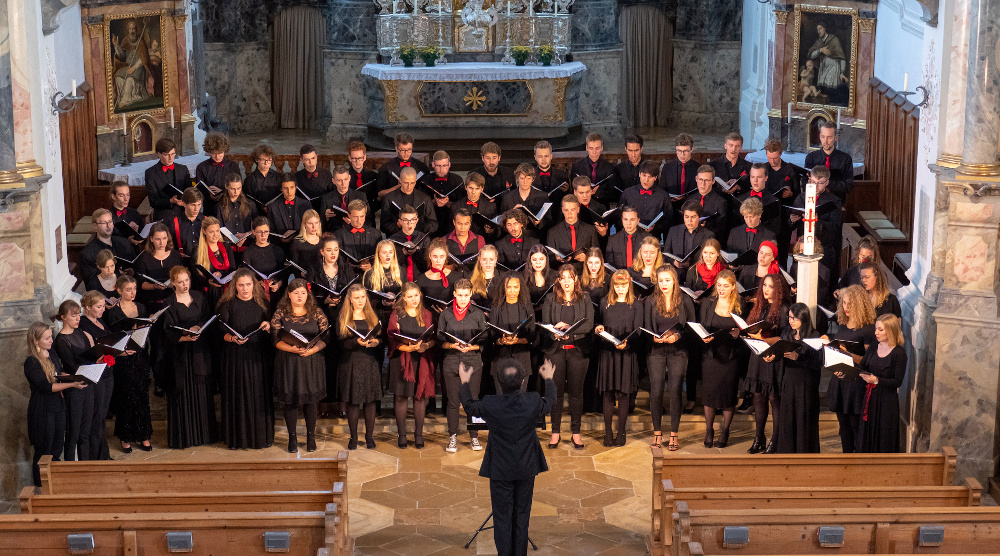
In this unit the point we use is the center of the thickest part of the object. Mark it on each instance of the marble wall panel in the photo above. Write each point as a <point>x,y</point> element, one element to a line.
<point>709,20</point>
<point>600,93</point>
<point>350,25</point>
<point>594,25</point>
<point>706,86</point>
<point>345,89</point>
<point>239,76</point>
<point>15,451</point>
<point>474,97</point>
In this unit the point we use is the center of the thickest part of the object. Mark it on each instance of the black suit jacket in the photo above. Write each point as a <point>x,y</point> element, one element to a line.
<point>369,177</point>
<point>628,174</point>
<point>679,242</point>
<point>670,176</point>
<point>335,199</point>
<point>841,170</point>
<point>262,189</point>
<point>616,253</point>
<point>714,203</point>
<point>314,186</point>
<point>497,183</point>
<point>388,174</point>
<point>287,217</point>
<point>726,171</point>
<point>393,202</point>
<point>559,237</point>
<point>159,190</point>
<point>606,175</point>
<point>120,247</point>
<point>739,239</point>
<point>785,176</point>
<point>513,452</point>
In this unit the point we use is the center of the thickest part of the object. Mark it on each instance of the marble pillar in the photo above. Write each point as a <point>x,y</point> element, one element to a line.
<point>7,158</point>
<point>239,76</point>
<point>954,65</point>
<point>982,108</point>
<point>351,42</point>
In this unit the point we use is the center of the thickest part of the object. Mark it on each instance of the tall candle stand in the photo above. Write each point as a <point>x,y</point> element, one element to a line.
<point>126,159</point>
<point>395,60</point>
<point>507,59</point>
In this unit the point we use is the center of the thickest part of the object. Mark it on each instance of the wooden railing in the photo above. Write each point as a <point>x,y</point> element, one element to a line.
<point>891,152</point>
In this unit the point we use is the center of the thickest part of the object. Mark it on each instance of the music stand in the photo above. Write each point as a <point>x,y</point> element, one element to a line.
<point>480,425</point>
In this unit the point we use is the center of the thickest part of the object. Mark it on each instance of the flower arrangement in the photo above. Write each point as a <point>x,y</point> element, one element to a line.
<point>546,53</point>
<point>407,54</point>
<point>520,54</point>
<point>429,54</point>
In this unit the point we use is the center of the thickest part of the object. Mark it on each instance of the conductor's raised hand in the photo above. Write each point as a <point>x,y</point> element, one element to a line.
<point>465,373</point>
<point>547,370</point>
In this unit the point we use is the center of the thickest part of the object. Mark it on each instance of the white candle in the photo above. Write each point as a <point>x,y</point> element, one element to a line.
<point>508,8</point>
<point>74,88</point>
<point>439,8</point>
<point>789,113</point>
<point>809,220</point>
<point>171,117</point>
<point>838,118</point>
<point>123,125</point>
<point>531,8</point>
<point>906,82</point>
<point>393,7</point>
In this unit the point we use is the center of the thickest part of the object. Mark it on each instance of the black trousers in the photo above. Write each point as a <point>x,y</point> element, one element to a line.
<point>571,370</point>
<point>79,420</point>
<point>51,445</point>
<point>452,382</point>
<point>850,427</point>
<point>98,435</point>
<point>511,502</point>
<point>670,364</point>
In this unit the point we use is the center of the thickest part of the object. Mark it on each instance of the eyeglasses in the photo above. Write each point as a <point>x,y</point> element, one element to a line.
<point>357,158</point>
<point>409,220</point>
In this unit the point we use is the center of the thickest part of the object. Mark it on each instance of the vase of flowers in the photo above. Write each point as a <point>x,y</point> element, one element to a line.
<point>520,54</point>
<point>545,54</point>
<point>429,54</point>
<point>408,54</point>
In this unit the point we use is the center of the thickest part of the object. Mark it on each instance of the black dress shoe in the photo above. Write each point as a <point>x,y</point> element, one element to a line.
<point>609,441</point>
<point>577,446</point>
<point>620,441</point>
<point>710,438</point>
<point>723,439</point>
<point>146,448</point>
<point>555,445</point>
<point>370,443</point>
<point>311,443</point>
<point>747,405</point>
<point>689,410</point>
<point>126,450</point>
<point>757,446</point>
<point>401,442</point>
<point>352,444</point>
<point>772,448</point>
<point>293,445</point>
<point>418,442</point>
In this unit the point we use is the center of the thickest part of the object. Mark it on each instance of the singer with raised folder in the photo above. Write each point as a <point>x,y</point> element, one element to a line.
<point>512,321</point>
<point>461,334</point>
<point>618,369</point>
<point>133,422</point>
<point>407,194</point>
<point>846,396</point>
<point>526,196</point>
<point>358,372</point>
<point>333,207</point>
<point>513,456</point>
<point>598,171</point>
<point>411,360</point>
<point>71,344</point>
<point>648,200</point>
<point>190,407</point>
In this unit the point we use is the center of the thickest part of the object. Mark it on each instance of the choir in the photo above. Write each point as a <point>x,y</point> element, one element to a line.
<point>614,273</point>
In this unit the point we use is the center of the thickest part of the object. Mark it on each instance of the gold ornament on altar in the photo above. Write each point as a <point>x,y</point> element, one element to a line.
<point>474,98</point>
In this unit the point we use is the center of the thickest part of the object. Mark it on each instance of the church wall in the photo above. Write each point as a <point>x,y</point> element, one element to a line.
<point>239,76</point>
<point>756,61</point>
<point>899,44</point>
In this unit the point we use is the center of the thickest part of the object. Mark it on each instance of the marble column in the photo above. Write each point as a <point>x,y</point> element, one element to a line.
<point>982,109</point>
<point>22,71</point>
<point>351,42</point>
<point>955,67</point>
<point>7,147</point>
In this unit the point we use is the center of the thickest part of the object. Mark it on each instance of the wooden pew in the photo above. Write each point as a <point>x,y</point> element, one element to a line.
<point>145,534</point>
<point>138,502</point>
<point>792,470</point>
<point>865,530</point>
<point>113,477</point>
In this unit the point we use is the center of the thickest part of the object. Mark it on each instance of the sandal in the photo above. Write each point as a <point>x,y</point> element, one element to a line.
<point>657,439</point>
<point>673,446</point>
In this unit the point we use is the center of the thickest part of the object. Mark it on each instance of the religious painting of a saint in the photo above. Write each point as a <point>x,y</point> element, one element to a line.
<point>134,63</point>
<point>825,72</point>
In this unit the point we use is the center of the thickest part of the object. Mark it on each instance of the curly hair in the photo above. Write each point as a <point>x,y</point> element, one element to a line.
<point>860,311</point>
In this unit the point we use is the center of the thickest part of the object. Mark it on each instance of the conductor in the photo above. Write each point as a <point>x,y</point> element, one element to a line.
<point>513,454</point>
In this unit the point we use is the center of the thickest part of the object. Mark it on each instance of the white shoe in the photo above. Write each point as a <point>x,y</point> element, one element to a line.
<point>452,444</point>
<point>476,445</point>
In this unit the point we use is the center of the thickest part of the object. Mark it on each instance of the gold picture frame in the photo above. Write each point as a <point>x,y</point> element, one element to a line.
<point>825,72</point>
<point>135,67</point>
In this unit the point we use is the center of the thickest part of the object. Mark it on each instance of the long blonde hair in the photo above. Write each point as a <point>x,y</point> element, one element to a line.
<point>893,333</point>
<point>637,263</point>
<point>35,332</point>
<point>734,295</point>
<point>306,217</point>
<point>862,311</point>
<point>347,311</point>
<point>667,306</point>
<point>597,281</point>
<point>399,306</point>
<point>202,257</point>
<point>479,275</point>
<point>379,278</point>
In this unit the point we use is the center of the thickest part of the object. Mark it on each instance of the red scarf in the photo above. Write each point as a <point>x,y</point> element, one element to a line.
<point>215,262</point>
<point>444,277</point>
<point>708,275</point>
<point>423,375</point>
<point>868,388</point>
<point>459,313</point>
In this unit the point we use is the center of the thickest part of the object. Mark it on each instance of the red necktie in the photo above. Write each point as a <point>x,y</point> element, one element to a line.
<point>357,230</point>
<point>409,264</point>
<point>703,200</point>
<point>171,167</point>
<point>683,181</point>
<point>572,236</point>
<point>404,164</point>
<point>757,194</point>
<point>645,192</point>
<point>828,163</point>
<point>292,202</point>
<point>440,179</point>
<point>473,204</point>
<point>628,247</point>
<point>514,240</point>
<point>544,173</point>
<point>593,172</point>
<point>743,173</point>
<point>311,175</point>
<point>343,202</point>
<point>120,212</point>
<point>359,180</point>
<point>751,230</point>
<point>214,163</point>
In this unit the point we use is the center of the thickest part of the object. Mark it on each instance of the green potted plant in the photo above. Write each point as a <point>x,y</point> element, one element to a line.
<point>520,54</point>
<point>545,54</point>
<point>407,54</point>
<point>429,54</point>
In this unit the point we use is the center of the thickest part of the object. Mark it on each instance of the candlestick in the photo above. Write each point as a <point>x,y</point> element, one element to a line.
<point>171,117</point>
<point>74,88</point>
<point>789,113</point>
<point>906,82</point>
<point>838,118</point>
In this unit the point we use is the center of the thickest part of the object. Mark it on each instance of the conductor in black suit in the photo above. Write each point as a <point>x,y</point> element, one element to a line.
<point>513,454</point>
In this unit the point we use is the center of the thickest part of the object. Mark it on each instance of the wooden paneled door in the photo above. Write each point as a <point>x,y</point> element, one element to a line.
<point>78,139</point>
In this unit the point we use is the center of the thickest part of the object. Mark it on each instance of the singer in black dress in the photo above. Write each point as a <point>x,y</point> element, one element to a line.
<point>46,411</point>
<point>358,373</point>
<point>133,422</point>
<point>720,360</point>
<point>155,262</point>
<point>508,312</point>
<point>411,365</point>
<point>190,407</point>
<point>70,344</point>
<point>618,370</point>
<point>665,310</point>
<point>763,380</point>
<point>798,414</point>
<point>883,368</point>
<point>215,257</point>
<point>439,280</point>
<point>265,258</point>
<point>538,277</point>
<point>93,323</point>
<point>329,275</point>
<point>299,372</point>
<point>846,397</point>
<point>247,411</point>
<point>596,278</point>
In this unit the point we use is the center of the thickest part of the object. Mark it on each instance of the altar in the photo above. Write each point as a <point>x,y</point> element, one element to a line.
<point>468,100</point>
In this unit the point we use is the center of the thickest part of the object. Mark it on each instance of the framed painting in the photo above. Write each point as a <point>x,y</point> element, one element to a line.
<point>135,69</point>
<point>826,55</point>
